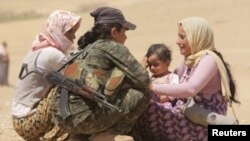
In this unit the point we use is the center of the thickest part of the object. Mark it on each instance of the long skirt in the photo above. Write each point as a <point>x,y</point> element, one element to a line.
<point>165,122</point>
<point>3,73</point>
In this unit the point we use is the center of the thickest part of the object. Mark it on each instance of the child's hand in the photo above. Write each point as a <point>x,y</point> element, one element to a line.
<point>164,98</point>
<point>145,62</point>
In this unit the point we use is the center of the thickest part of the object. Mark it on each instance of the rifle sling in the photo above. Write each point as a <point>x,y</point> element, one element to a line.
<point>64,105</point>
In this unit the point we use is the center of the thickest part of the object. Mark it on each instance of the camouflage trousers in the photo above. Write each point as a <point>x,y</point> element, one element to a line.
<point>101,120</point>
<point>39,126</point>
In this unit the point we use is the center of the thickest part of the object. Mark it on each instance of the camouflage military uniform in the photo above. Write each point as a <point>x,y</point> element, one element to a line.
<point>94,67</point>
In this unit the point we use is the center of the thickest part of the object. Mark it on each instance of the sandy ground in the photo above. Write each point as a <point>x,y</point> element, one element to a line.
<point>156,21</point>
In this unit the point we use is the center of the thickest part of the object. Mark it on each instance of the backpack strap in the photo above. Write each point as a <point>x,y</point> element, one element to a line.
<point>24,68</point>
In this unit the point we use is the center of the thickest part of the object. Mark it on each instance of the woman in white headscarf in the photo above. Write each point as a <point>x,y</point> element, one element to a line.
<point>204,76</point>
<point>31,107</point>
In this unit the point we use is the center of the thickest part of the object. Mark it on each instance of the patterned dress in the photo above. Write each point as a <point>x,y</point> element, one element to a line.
<point>167,123</point>
<point>170,78</point>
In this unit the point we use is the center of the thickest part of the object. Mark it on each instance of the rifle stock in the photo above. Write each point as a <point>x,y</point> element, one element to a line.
<point>80,89</point>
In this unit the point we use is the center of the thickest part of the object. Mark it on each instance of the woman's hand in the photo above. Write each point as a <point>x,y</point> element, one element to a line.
<point>150,90</point>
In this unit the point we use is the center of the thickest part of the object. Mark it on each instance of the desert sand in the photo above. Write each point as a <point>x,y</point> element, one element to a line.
<point>156,20</point>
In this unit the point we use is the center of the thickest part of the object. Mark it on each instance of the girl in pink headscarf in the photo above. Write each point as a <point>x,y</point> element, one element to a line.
<point>31,107</point>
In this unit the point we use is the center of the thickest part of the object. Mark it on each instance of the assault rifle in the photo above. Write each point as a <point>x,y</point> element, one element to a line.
<point>75,87</point>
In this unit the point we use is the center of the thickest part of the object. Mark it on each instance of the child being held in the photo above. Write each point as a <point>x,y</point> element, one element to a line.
<point>158,59</point>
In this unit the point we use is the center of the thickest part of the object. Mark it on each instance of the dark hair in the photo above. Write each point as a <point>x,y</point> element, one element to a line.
<point>232,85</point>
<point>163,52</point>
<point>99,31</point>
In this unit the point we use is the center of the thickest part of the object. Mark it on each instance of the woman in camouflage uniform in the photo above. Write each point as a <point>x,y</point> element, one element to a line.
<point>106,65</point>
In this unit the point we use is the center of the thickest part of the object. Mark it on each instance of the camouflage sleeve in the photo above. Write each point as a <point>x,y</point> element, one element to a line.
<point>125,61</point>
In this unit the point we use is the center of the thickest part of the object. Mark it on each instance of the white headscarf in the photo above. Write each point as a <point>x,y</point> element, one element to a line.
<point>199,35</point>
<point>58,23</point>
<point>201,41</point>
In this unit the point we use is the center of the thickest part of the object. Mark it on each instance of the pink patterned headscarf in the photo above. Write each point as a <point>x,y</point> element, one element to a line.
<point>58,23</point>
